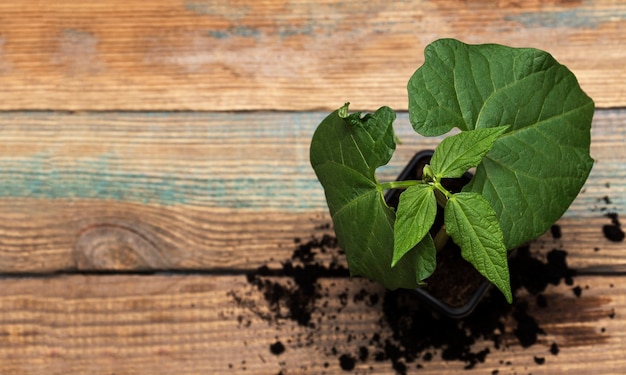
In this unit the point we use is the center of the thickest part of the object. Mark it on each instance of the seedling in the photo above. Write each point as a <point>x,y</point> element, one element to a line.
<point>524,126</point>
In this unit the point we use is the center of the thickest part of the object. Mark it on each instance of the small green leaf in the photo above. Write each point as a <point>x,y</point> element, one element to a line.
<point>473,225</point>
<point>456,154</point>
<point>343,111</point>
<point>427,174</point>
<point>416,213</point>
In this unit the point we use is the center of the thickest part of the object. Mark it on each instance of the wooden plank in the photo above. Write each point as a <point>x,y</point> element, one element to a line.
<point>191,324</point>
<point>129,191</point>
<point>90,235</point>
<point>277,54</point>
<point>64,235</point>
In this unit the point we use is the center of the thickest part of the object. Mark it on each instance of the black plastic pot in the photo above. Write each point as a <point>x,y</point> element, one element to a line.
<point>473,286</point>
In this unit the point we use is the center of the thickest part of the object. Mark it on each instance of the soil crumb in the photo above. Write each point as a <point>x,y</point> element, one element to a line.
<point>277,348</point>
<point>613,232</point>
<point>347,362</point>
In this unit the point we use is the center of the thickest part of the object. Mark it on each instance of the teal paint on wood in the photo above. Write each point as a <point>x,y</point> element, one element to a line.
<point>244,175</point>
<point>237,31</point>
<point>98,179</point>
<point>579,18</point>
<point>256,161</point>
<point>217,8</point>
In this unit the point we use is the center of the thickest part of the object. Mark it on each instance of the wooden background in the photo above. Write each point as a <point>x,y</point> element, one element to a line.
<point>153,151</point>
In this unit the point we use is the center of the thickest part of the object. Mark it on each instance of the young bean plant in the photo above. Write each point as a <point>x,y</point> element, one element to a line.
<point>524,126</point>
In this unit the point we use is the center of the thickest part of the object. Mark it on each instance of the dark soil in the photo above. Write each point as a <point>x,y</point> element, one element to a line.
<point>554,349</point>
<point>613,232</point>
<point>277,348</point>
<point>409,334</point>
<point>347,362</point>
<point>452,266</point>
<point>556,231</point>
<point>297,299</point>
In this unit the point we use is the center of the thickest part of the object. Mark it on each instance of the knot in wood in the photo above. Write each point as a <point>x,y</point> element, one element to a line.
<point>115,247</point>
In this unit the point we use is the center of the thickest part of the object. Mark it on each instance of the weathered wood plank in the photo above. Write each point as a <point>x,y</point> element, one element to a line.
<point>191,324</point>
<point>48,236</point>
<point>257,161</point>
<point>277,54</point>
<point>90,235</point>
<point>124,191</point>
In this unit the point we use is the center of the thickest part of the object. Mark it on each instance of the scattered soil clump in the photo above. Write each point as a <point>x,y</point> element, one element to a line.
<point>613,232</point>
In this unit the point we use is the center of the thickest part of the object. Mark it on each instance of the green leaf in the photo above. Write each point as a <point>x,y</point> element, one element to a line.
<point>472,224</point>
<point>426,258</point>
<point>416,213</point>
<point>345,152</point>
<point>456,154</point>
<point>537,167</point>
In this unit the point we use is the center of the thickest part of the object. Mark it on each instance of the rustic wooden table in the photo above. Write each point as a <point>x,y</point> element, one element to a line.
<point>153,153</point>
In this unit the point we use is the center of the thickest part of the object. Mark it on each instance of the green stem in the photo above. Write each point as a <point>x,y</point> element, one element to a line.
<point>442,189</point>
<point>441,194</point>
<point>441,238</point>
<point>398,184</point>
<point>442,200</point>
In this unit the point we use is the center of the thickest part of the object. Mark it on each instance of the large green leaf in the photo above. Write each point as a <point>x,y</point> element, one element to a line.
<point>472,224</point>
<point>533,171</point>
<point>345,152</point>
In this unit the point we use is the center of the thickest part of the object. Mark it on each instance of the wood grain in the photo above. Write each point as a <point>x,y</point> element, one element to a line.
<point>191,324</point>
<point>185,191</point>
<point>277,54</point>
<point>90,235</point>
<point>133,199</point>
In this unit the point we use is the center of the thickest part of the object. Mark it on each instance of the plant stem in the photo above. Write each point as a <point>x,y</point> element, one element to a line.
<point>441,238</point>
<point>442,195</point>
<point>398,184</point>
<point>442,200</point>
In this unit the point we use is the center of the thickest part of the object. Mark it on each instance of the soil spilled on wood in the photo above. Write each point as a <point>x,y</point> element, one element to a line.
<point>408,334</point>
